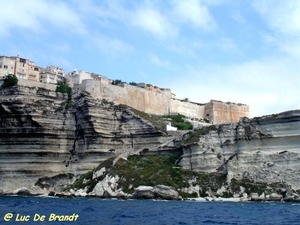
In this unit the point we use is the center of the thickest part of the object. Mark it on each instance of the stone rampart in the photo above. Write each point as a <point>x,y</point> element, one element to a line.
<point>149,101</point>
<point>30,83</point>
<point>187,108</point>
<point>158,101</point>
<point>221,112</point>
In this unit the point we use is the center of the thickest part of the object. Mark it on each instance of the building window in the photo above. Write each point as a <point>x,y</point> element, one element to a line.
<point>36,69</point>
<point>5,67</point>
<point>22,64</point>
<point>207,114</point>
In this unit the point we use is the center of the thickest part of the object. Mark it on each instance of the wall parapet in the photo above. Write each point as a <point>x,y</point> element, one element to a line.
<point>154,100</point>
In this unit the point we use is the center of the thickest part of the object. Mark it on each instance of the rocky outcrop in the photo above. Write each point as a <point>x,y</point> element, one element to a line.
<point>165,192</point>
<point>264,149</point>
<point>144,192</point>
<point>157,192</point>
<point>42,134</point>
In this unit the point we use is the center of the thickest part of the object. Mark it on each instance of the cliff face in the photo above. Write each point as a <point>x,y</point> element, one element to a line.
<point>39,137</point>
<point>264,149</point>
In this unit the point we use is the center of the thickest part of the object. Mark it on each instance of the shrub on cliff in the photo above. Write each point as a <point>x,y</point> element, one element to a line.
<point>9,81</point>
<point>63,87</point>
<point>116,82</point>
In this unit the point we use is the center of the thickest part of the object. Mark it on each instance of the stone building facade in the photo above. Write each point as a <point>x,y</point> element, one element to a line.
<point>20,67</point>
<point>52,75</point>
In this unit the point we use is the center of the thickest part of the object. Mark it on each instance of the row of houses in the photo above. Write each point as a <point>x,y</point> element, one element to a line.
<point>26,69</point>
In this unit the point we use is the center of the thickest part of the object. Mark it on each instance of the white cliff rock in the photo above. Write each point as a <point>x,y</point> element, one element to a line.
<point>42,136</point>
<point>107,187</point>
<point>264,149</point>
<point>99,173</point>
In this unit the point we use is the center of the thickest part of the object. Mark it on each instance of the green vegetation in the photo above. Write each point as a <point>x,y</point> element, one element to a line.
<point>63,87</point>
<point>151,170</point>
<point>79,182</point>
<point>179,122</point>
<point>206,120</point>
<point>133,83</point>
<point>154,170</point>
<point>9,81</point>
<point>116,82</point>
<point>195,136</point>
<point>255,187</point>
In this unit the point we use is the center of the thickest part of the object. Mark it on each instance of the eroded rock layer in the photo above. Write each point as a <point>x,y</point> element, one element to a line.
<point>42,134</point>
<point>264,149</point>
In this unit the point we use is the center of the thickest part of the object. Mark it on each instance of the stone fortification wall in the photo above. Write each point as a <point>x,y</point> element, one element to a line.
<point>158,101</point>
<point>221,112</point>
<point>154,101</point>
<point>30,83</point>
<point>186,108</point>
<point>91,86</point>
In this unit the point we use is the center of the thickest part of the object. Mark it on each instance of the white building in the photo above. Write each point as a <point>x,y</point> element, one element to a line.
<point>52,75</point>
<point>76,77</point>
<point>170,127</point>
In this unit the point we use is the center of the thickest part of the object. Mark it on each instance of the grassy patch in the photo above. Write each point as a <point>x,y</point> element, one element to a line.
<point>255,187</point>
<point>195,136</point>
<point>179,122</point>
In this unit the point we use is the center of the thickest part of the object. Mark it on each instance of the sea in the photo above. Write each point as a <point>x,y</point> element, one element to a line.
<point>85,211</point>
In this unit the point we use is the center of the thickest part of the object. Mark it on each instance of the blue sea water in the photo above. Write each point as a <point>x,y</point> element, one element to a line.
<point>145,212</point>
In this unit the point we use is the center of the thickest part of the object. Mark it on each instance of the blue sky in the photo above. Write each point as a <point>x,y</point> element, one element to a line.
<point>243,51</point>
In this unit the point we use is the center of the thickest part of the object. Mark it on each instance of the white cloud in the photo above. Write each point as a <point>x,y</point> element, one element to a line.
<point>33,14</point>
<point>150,19</point>
<point>109,45</point>
<point>194,12</point>
<point>283,18</point>
<point>157,61</point>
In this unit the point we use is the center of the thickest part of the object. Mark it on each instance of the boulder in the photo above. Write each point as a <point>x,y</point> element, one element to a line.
<point>274,197</point>
<point>64,194</point>
<point>51,193</point>
<point>143,192</point>
<point>165,192</point>
<point>255,197</point>
<point>22,191</point>
<point>293,197</point>
<point>80,193</point>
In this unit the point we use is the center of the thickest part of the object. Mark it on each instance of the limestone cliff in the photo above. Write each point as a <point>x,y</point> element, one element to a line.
<point>264,149</point>
<point>41,136</point>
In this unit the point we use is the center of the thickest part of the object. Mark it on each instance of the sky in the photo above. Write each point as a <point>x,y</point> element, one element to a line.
<point>242,51</point>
